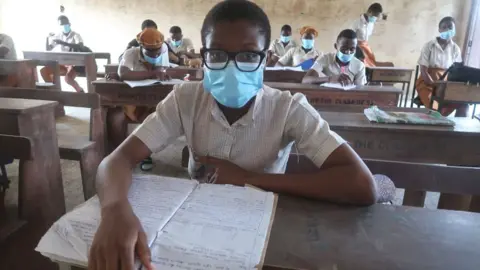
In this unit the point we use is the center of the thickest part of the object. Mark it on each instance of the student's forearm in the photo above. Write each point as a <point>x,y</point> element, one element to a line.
<point>425,75</point>
<point>136,75</point>
<point>339,184</point>
<point>314,79</point>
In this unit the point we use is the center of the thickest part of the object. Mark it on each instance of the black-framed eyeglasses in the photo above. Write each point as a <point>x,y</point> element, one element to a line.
<point>246,61</point>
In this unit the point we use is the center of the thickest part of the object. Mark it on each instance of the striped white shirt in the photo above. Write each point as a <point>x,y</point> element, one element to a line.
<point>433,56</point>
<point>260,141</point>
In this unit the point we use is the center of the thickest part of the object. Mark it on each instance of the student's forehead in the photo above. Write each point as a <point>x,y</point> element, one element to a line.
<point>447,24</point>
<point>346,41</point>
<point>226,35</point>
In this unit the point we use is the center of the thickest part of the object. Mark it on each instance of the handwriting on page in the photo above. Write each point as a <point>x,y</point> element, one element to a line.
<point>218,227</point>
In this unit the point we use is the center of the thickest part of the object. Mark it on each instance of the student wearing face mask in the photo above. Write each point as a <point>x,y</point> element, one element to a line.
<point>364,28</point>
<point>304,53</point>
<point>341,66</point>
<point>66,40</point>
<point>179,44</point>
<point>145,62</point>
<point>234,123</point>
<point>281,46</point>
<point>436,57</point>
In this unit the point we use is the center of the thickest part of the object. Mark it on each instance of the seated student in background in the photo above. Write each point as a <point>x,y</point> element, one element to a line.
<point>281,46</point>
<point>65,41</point>
<point>140,63</point>
<point>7,52</point>
<point>300,54</point>
<point>179,44</point>
<point>364,28</point>
<point>339,67</point>
<point>234,123</point>
<point>436,57</point>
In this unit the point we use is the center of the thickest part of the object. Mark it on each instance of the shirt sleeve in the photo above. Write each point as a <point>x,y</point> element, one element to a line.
<point>312,134</point>
<point>319,65</point>
<point>287,59</point>
<point>272,46</point>
<point>425,56</point>
<point>78,39</point>
<point>458,54</point>
<point>128,59</point>
<point>162,127</point>
<point>189,44</point>
<point>360,77</point>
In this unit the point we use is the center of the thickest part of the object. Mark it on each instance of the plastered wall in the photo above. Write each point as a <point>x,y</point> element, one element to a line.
<point>108,25</point>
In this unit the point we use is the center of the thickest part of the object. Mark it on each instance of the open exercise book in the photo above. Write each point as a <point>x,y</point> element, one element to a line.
<point>188,225</point>
<point>148,82</point>
<point>374,114</point>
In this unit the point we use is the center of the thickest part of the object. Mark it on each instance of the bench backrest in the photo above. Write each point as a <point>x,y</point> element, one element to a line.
<point>24,72</point>
<point>84,100</point>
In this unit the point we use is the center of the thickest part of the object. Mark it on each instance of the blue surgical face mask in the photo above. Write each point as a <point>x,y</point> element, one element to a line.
<point>66,28</point>
<point>372,19</point>
<point>308,43</point>
<point>232,87</point>
<point>447,35</point>
<point>152,60</point>
<point>345,58</point>
<point>285,39</point>
<point>176,43</point>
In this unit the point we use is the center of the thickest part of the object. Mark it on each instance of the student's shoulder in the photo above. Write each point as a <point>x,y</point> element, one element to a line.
<point>326,57</point>
<point>357,64</point>
<point>131,53</point>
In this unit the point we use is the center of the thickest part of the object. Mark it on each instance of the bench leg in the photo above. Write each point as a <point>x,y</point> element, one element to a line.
<point>454,202</point>
<point>89,162</point>
<point>414,198</point>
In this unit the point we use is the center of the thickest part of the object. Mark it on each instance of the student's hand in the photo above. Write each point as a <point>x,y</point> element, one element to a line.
<point>112,76</point>
<point>162,75</point>
<point>59,41</point>
<point>119,238</point>
<point>343,79</point>
<point>225,172</point>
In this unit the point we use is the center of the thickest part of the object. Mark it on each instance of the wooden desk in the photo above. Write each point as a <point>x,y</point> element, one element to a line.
<point>362,95</point>
<point>313,235</point>
<point>69,58</point>
<point>392,75</point>
<point>179,72</point>
<point>454,92</point>
<point>289,76</point>
<point>40,189</point>
<point>24,71</point>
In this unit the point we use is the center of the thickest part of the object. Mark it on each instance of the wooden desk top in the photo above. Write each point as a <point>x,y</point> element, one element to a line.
<point>313,235</point>
<point>307,87</point>
<point>358,121</point>
<point>391,68</point>
<point>22,106</point>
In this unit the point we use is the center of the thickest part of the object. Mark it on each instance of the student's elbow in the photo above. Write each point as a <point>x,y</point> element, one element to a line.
<point>365,189</point>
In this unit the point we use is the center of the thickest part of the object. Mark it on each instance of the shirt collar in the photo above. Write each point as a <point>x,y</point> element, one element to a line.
<point>450,42</point>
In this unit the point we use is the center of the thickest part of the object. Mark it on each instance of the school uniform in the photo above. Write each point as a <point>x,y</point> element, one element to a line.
<point>438,60</point>
<point>327,65</point>
<point>260,141</point>
<point>72,38</point>
<point>297,55</point>
<point>185,46</point>
<point>132,59</point>
<point>364,30</point>
<point>279,50</point>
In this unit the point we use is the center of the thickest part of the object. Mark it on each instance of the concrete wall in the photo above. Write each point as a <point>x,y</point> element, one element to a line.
<point>108,25</point>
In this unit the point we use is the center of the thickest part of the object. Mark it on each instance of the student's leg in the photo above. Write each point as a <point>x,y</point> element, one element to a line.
<point>424,92</point>
<point>47,73</point>
<point>70,79</point>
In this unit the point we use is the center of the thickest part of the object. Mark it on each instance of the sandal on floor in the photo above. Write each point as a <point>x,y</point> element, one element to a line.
<point>147,164</point>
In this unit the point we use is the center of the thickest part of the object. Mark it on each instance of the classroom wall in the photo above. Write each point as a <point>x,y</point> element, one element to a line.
<point>108,25</point>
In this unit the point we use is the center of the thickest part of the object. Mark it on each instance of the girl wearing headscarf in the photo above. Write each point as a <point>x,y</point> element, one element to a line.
<point>304,53</point>
<point>437,56</point>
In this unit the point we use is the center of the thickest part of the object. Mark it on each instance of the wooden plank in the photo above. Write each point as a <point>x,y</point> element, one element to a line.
<point>283,76</point>
<point>103,55</point>
<point>391,74</point>
<point>15,147</point>
<point>459,92</point>
<point>23,106</point>
<point>85,100</point>
<point>311,235</point>
<point>63,58</point>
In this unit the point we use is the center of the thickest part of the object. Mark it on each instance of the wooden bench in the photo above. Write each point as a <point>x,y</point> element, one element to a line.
<point>320,96</point>
<point>456,93</point>
<point>88,150</point>
<point>391,75</point>
<point>86,60</point>
<point>23,70</point>
<point>12,147</point>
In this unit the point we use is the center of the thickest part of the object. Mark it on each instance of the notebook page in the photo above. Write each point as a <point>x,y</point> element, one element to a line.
<point>218,227</point>
<point>338,86</point>
<point>154,200</point>
<point>141,83</point>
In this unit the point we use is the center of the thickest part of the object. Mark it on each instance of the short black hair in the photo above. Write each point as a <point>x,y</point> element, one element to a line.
<point>175,30</point>
<point>376,8</point>
<point>235,10</point>
<point>63,18</point>
<point>286,27</point>
<point>149,24</point>
<point>347,33</point>
<point>445,20</point>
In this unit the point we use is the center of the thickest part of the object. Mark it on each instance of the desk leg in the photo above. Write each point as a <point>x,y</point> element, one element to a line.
<point>454,201</point>
<point>40,186</point>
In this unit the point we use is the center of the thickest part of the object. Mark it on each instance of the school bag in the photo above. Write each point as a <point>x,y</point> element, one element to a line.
<point>458,72</point>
